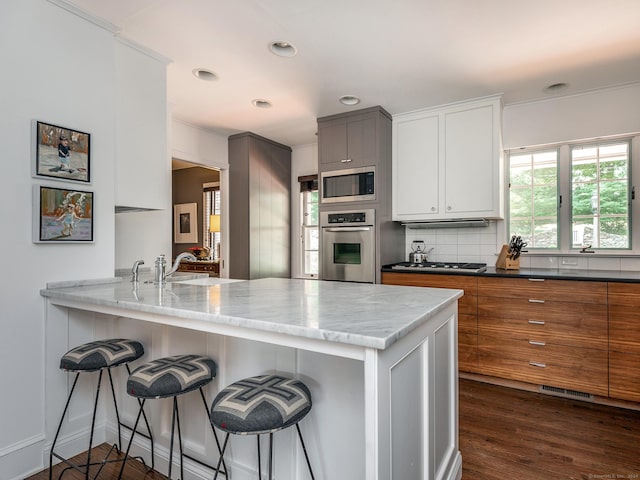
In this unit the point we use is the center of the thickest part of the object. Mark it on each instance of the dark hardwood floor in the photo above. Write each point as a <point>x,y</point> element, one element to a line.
<point>513,434</point>
<point>133,471</point>
<point>508,434</point>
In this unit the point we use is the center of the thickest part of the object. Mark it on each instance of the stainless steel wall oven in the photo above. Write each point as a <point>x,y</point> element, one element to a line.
<point>348,245</point>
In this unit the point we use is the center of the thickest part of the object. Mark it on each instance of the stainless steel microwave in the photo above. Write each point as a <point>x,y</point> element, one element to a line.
<point>350,185</point>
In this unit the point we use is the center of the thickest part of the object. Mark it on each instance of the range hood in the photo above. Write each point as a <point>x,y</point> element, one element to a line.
<point>457,223</point>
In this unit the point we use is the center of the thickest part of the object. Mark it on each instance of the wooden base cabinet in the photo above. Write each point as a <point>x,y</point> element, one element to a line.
<point>551,332</point>
<point>467,309</point>
<point>624,341</point>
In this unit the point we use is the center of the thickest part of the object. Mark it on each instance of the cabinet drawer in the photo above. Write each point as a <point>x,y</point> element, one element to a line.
<point>624,376</point>
<point>563,323</point>
<point>543,289</point>
<point>513,357</point>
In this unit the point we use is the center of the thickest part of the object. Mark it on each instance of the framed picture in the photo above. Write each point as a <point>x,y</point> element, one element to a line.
<point>185,223</point>
<point>62,215</point>
<point>61,153</point>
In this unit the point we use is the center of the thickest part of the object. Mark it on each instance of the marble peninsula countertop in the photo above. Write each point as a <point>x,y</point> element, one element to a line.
<point>362,315</point>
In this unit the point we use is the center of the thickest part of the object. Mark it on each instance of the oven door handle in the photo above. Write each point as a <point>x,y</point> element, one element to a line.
<point>348,229</point>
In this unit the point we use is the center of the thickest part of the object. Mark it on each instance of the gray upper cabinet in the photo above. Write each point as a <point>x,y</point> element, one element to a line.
<point>351,140</point>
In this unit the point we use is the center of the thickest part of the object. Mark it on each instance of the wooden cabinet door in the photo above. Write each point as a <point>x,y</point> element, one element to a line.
<point>624,376</point>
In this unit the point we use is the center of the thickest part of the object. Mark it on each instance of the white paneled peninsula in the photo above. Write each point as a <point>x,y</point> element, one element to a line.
<point>380,360</point>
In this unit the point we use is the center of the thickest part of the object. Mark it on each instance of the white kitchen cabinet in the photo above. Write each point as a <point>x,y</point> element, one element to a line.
<point>447,162</point>
<point>142,163</point>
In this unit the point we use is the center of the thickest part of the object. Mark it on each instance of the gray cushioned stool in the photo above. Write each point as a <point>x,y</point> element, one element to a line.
<point>97,356</point>
<point>263,404</point>
<point>169,377</point>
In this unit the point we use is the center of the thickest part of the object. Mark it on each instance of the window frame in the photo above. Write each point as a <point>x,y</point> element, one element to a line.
<point>565,197</point>
<point>308,185</point>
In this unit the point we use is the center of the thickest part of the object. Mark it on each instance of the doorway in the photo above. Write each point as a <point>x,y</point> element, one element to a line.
<point>197,189</point>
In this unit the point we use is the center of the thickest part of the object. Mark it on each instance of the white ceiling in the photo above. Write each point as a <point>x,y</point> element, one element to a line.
<point>401,54</point>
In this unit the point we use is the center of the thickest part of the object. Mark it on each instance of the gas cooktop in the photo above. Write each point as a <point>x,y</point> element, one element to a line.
<point>441,266</point>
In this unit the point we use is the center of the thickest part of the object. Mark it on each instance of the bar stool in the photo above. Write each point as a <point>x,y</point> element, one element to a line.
<point>169,377</point>
<point>262,404</point>
<point>98,356</point>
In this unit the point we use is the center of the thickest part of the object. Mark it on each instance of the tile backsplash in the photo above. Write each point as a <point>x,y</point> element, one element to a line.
<point>481,244</point>
<point>464,244</point>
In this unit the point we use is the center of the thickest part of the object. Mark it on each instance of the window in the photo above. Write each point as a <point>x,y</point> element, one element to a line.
<point>211,197</point>
<point>600,195</point>
<point>533,197</point>
<point>310,235</point>
<point>596,179</point>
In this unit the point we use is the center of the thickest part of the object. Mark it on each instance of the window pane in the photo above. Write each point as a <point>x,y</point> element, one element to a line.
<point>310,237</point>
<point>533,197</point>
<point>545,201</point>
<point>614,233</point>
<point>600,198</point>
<point>545,233</point>
<point>613,198</point>
<point>520,202</point>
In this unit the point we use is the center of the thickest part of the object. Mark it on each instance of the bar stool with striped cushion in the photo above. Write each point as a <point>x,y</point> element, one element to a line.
<point>169,377</point>
<point>259,405</point>
<point>97,356</point>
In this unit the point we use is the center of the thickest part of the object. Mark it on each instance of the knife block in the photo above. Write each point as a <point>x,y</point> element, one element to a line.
<point>505,262</point>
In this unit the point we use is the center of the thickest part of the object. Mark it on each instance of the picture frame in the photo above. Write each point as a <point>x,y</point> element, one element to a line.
<point>62,215</point>
<point>185,223</point>
<point>61,153</point>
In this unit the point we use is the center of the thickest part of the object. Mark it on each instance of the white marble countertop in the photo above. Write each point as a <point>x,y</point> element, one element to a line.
<point>364,315</point>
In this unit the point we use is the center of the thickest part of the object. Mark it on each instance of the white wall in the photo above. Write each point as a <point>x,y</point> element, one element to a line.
<point>612,111</point>
<point>304,161</point>
<point>57,68</point>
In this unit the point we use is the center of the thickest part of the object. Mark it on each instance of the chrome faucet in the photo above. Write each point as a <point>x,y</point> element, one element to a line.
<point>160,275</point>
<point>183,256</point>
<point>134,270</point>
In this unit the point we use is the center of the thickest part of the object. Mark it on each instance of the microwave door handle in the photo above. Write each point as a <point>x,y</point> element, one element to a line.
<point>348,229</point>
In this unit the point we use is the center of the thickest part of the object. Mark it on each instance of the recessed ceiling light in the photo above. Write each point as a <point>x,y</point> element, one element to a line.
<point>283,49</point>
<point>204,74</point>
<point>261,103</point>
<point>349,100</point>
<point>555,87</point>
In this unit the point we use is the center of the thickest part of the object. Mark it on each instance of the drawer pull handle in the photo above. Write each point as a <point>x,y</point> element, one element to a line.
<point>538,364</point>
<point>533,300</point>
<point>346,160</point>
<point>536,279</point>
<point>536,322</point>
<point>535,342</point>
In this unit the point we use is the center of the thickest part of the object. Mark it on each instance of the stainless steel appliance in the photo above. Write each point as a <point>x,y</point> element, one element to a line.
<point>418,253</point>
<point>452,267</point>
<point>348,185</point>
<point>348,245</point>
